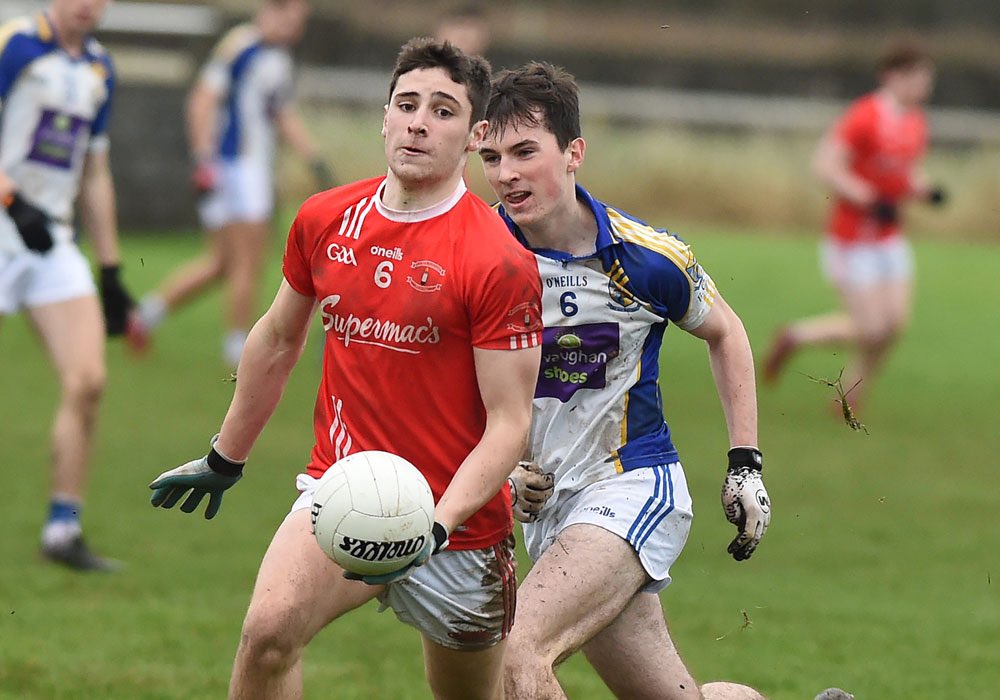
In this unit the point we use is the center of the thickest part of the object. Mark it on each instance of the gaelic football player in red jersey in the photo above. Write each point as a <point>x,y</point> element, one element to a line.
<point>870,160</point>
<point>432,318</point>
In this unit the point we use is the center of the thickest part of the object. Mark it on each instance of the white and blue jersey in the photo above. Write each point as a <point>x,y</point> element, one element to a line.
<point>255,82</point>
<point>598,410</point>
<point>54,108</point>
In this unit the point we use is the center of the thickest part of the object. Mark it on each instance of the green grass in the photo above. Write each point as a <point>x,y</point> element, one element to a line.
<point>877,573</point>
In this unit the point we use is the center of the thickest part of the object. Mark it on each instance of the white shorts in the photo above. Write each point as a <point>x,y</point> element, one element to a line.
<point>650,508</point>
<point>867,263</point>
<point>243,194</point>
<point>29,279</point>
<point>460,599</point>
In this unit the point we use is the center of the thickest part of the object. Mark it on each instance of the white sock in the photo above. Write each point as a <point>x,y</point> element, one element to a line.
<point>232,347</point>
<point>151,311</point>
<point>59,532</point>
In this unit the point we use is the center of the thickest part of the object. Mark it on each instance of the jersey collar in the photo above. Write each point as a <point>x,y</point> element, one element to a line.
<point>605,234</point>
<point>409,217</point>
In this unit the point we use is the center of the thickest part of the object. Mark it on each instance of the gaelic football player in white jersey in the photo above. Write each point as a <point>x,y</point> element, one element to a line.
<point>56,83</point>
<point>620,512</point>
<point>242,98</point>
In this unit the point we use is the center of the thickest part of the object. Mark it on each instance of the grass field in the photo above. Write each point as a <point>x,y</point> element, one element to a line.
<point>877,573</point>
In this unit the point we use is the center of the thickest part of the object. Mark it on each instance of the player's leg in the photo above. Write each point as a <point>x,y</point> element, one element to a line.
<point>183,285</point>
<point>462,603</point>
<point>464,675</point>
<point>244,245</point>
<point>72,332</point>
<point>299,590</point>
<point>565,600</point>
<point>620,653</point>
<point>840,263</point>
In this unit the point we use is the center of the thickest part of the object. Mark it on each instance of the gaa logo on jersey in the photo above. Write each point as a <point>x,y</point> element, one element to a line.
<point>342,254</point>
<point>427,276</point>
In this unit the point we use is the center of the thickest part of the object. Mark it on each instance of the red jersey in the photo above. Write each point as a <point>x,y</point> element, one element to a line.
<point>404,298</point>
<point>884,145</point>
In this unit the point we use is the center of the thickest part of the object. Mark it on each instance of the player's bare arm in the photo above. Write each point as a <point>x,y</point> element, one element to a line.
<point>97,207</point>
<point>202,111</point>
<point>732,368</point>
<point>294,132</point>
<point>832,165</point>
<point>273,347</point>
<point>507,384</point>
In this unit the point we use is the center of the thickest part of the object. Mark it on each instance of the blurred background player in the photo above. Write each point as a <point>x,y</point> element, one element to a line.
<point>870,160</point>
<point>244,94</point>
<point>56,83</point>
<point>465,26</point>
<point>620,512</point>
<point>432,318</point>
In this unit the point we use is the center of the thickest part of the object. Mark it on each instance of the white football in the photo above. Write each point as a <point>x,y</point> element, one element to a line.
<point>372,512</point>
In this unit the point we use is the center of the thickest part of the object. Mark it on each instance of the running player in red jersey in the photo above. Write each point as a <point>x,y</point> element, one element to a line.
<point>870,160</point>
<point>432,318</point>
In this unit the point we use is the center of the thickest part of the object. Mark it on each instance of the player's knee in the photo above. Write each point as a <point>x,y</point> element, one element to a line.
<point>85,387</point>
<point>523,668</point>
<point>266,644</point>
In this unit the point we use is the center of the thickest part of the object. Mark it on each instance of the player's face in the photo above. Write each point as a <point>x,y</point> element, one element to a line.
<point>912,86</point>
<point>284,24</point>
<point>426,127</point>
<point>77,17</point>
<point>530,174</point>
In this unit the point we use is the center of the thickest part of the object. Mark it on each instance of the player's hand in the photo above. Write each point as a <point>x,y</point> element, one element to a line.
<point>435,543</point>
<point>885,212</point>
<point>115,300</point>
<point>204,177</point>
<point>211,475</point>
<point>32,223</point>
<point>322,173</point>
<point>937,196</point>
<point>745,500</point>
<point>530,490</point>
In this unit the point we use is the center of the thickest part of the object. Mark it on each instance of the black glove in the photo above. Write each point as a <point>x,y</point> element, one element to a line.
<point>32,223</point>
<point>937,197</point>
<point>115,300</point>
<point>322,173</point>
<point>885,212</point>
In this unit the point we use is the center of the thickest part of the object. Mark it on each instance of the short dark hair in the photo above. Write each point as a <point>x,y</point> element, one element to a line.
<point>471,71</point>
<point>903,54</point>
<point>537,93</point>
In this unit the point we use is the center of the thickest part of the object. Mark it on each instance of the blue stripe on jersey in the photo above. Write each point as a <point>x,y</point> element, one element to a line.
<point>653,277</point>
<point>229,146</point>
<point>20,51</point>
<point>103,116</point>
<point>647,435</point>
<point>656,508</point>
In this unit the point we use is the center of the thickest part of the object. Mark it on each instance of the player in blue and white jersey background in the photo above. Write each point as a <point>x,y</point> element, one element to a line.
<point>620,513</point>
<point>56,85</point>
<point>243,100</point>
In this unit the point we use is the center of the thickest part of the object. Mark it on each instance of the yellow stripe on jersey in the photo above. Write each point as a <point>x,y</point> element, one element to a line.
<point>665,244</point>
<point>618,458</point>
<point>44,28</point>
<point>233,42</point>
<point>648,237</point>
<point>10,28</point>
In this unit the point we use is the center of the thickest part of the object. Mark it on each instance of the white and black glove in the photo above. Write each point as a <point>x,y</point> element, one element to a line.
<point>530,489</point>
<point>745,500</point>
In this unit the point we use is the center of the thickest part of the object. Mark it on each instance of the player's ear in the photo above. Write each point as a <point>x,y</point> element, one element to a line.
<point>476,136</point>
<point>385,115</point>
<point>577,149</point>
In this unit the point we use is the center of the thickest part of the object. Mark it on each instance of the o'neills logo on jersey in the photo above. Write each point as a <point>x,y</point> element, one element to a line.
<point>428,276</point>
<point>367,550</point>
<point>377,331</point>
